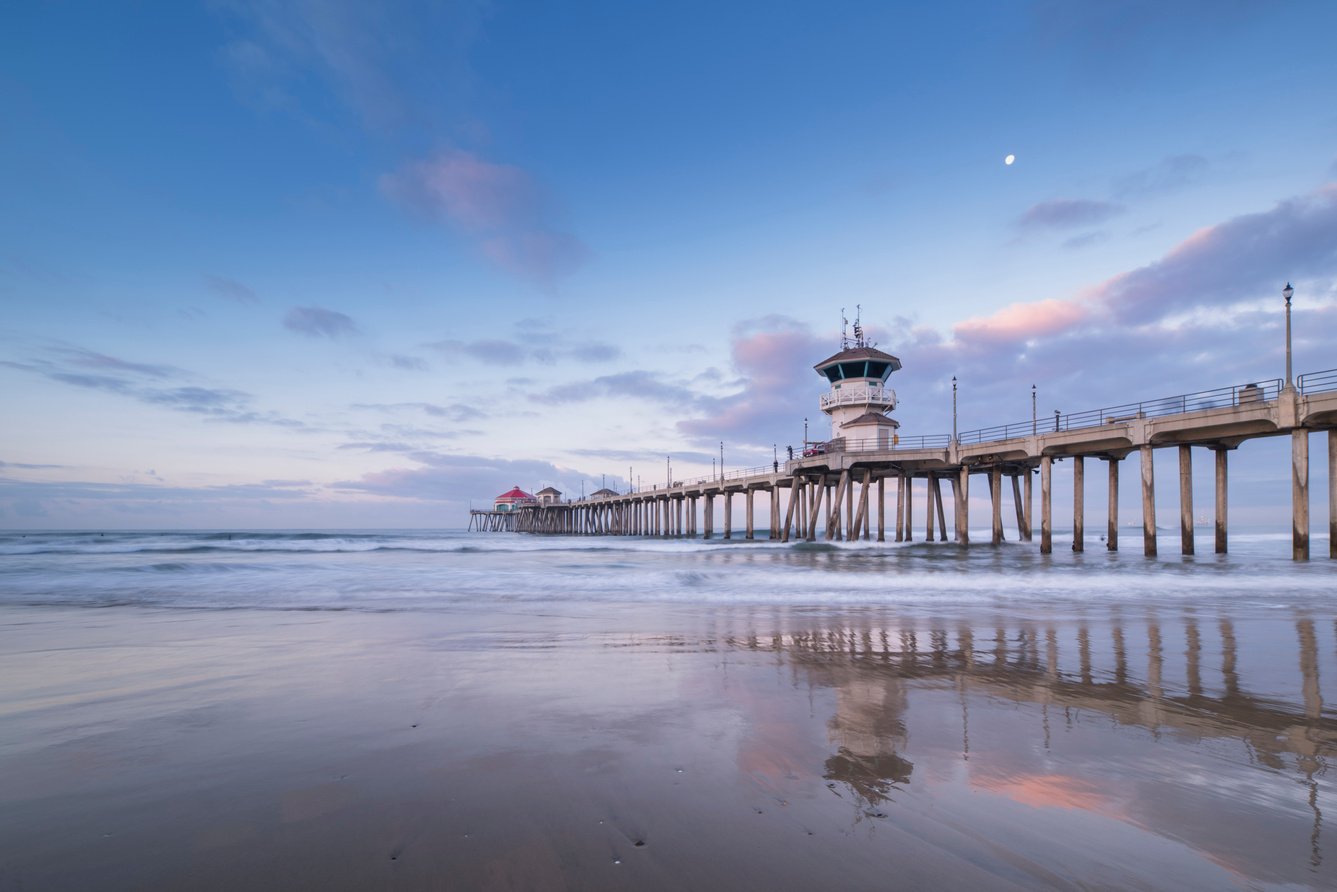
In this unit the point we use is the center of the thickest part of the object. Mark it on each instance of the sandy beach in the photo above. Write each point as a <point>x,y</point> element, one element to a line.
<point>667,747</point>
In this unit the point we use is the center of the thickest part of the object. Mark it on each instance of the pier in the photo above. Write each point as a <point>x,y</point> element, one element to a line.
<point>834,488</point>
<point>841,491</point>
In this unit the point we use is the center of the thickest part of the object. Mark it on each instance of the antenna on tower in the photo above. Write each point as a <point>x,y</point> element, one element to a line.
<point>858,328</point>
<point>844,331</point>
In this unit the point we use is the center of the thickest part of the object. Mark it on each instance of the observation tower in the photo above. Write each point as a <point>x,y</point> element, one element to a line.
<point>859,399</point>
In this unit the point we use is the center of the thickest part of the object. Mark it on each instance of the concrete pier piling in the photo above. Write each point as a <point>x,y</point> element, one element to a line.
<point>942,515</point>
<point>963,507</point>
<point>1148,502</point>
<point>928,507</point>
<point>1332,494</point>
<point>1046,504</point>
<point>996,498</point>
<point>1112,526</point>
<point>1030,516</point>
<point>1078,503</point>
<point>1222,504</point>
<point>1300,495</point>
<point>1023,522</point>
<point>881,509</point>
<point>909,509</point>
<point>1185,499</point>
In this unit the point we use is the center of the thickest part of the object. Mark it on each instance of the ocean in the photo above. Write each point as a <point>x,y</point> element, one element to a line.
<point>444,709</point>
<point>374,570</point>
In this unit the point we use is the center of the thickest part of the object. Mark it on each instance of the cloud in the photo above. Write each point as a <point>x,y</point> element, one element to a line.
<point>89,359</point>
<point>1235,260</point>
<point>315,322</point>
<point>408,363</point>
<point>547,349</point>
<point>369,57</point>
<point>458,477</point>
<point>501,207</point>
<point>1023,322</point>
<point>638,384</point>
<point>1068,213</point>
<point>230,289</point>
<point>166,387</point>
<point>1168,175</point>
<point>1085,240</point>
<point>773,357</point>
<point>1206,314</point>
<point>23,466</point>
<point>149,493</point>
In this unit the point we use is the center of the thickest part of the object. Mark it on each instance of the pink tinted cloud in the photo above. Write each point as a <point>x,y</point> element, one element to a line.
<point>773,357</point>
<point>1248,256</point>
<point>499,205</point>
<point>1023,322</point>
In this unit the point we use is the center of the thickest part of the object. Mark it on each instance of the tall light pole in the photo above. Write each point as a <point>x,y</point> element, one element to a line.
<point>721,459</point>
<point>954,408</point>
<point>805,434</point>
<point>1286,293</point>
<point>1033,416</point>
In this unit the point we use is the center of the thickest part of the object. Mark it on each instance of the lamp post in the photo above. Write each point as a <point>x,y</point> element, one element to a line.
<point>1286,293</point>
<point>805,435</point>
<point>1056,414</point>
<point>954,408</point>
<point>1034,431</point>
<point>721,460</point>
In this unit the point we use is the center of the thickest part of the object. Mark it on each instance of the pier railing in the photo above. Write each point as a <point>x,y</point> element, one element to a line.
<point>1236,396</point>
<point>1317,382</point>
<point>1220,397</point>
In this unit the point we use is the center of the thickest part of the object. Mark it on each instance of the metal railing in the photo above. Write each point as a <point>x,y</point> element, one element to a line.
<point>1239,395</point>
<point>854,395</point>
<point>1317,382</point>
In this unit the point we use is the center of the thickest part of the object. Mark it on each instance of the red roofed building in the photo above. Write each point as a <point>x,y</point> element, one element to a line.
<point>513,499</point>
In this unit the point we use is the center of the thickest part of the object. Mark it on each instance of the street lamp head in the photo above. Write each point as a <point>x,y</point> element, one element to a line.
<point>1287,292</point>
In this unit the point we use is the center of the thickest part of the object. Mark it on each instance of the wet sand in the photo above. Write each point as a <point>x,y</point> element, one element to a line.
<point>666,747</point>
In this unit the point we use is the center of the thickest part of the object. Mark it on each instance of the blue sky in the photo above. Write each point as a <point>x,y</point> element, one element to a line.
<point>331,264</point>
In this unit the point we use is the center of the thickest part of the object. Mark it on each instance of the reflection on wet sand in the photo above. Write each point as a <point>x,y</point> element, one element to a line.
<point>1272,742</point>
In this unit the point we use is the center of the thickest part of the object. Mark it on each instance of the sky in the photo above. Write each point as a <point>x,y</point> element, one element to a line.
<point>344,264</point>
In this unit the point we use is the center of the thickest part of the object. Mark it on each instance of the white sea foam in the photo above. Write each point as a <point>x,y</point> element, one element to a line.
<point>379,571</point>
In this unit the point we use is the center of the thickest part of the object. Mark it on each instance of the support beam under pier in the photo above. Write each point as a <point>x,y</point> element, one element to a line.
<point>996,496</point>
<point>1332,494</point>
<point>1112,528</point>
<point>882,503</point>
<point>1148,502</point>
<point>1023,522</point>
<point>1046,504</point>
<point>1185,498</point>
<point>1300,494</point>
<point>937,501</point>
<point>1079,503</point>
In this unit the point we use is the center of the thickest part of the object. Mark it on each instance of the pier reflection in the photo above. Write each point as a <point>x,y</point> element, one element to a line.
<point>1168,716</point>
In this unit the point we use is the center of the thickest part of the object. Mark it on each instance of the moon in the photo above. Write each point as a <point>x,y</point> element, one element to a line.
<point>1009,159</point>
